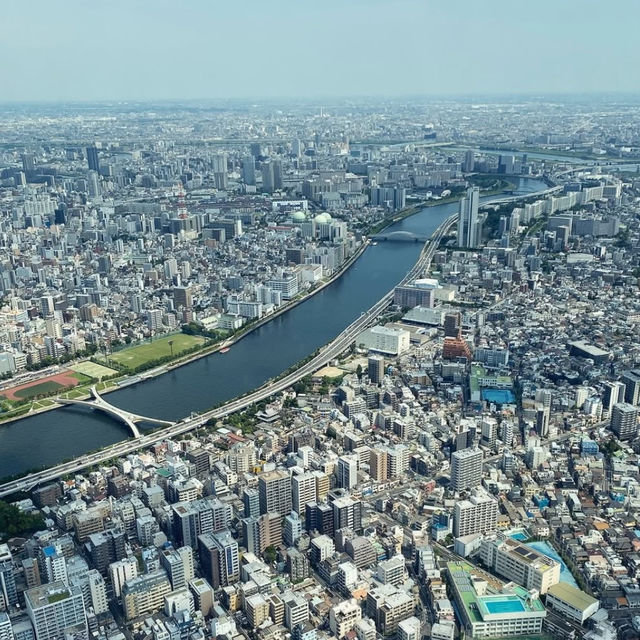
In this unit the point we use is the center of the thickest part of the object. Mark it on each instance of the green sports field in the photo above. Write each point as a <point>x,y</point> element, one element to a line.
<point>92,369</point>
<point>141,354</point>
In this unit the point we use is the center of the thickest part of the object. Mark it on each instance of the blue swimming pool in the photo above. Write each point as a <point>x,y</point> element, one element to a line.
<point>519,535</point>
<point>504,606</point>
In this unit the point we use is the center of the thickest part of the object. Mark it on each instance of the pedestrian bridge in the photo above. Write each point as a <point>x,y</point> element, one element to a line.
<point>399,236</point>
<point>129,418</point>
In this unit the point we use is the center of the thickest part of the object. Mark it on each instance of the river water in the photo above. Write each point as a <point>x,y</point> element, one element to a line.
<point>55,436</point>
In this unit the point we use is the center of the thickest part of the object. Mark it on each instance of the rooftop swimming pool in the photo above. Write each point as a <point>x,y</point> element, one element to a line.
<point>507,605</point>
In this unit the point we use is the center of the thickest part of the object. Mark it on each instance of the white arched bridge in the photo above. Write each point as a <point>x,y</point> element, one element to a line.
<point>129,418</point>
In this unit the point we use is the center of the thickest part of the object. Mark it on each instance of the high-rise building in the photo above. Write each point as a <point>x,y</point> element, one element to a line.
<point>219,163</point>
<point>469,226</point>
<point>304,490</point>
<point>251,501</point>
<point>178,563</point>
<point>249,170</point>
<point>292,529</point>
<point>219,558</point>
<point>7,579</point>
<point>268,178</point>
<point>378,467</point>
<point>145,594</point>
<point>277,175</point>
<point>466,469</point>
<point>631,380</point>
<point>56,610</point>
<point>207,515</point>
<point>613,394</point>
<point>6,630</point>
<point>624,420</point>
<point>92,158</point>
<point>469,161</point>
<point>347,514</point>
<point>120,572</point>
<point>275,492</point>
<point>375,369</point>
<point>347,471</point>
<point>54,565</point>
<point>182,298</point>
<point>479,514</point>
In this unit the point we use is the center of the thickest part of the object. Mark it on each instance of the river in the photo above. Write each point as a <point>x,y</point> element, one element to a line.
<point>52,437</point>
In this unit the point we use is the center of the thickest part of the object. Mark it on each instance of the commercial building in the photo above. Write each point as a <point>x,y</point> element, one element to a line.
<point>56,610</point>
<point>488,612</point>
<point>384,340</point>
<point>207,515</point>
<point>571,602</point>
<point>219,558</point>
<point>120,572</point>
<point>7,580</point>
<point>519,563</point>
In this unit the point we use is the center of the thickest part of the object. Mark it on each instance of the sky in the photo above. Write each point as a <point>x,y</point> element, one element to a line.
<point>94,50</point>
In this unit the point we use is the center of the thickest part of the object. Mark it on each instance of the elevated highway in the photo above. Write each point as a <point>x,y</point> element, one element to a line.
<point>325,355</point>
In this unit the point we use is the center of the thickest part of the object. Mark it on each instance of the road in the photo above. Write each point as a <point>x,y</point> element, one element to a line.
<point>325,355</point>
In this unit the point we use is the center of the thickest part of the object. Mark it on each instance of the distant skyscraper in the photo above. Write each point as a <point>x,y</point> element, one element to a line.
<point>466,469</point>
<point>469,161</point>
<point>277,174</point>
<point>220,170</point>
<point>268,184</point>
<point>92,158</point>
<point>28,162</point>
<point>249,170</point>
<point>469,227</point>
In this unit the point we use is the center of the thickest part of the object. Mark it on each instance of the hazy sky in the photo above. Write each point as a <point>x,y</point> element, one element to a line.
<point>191,49</point>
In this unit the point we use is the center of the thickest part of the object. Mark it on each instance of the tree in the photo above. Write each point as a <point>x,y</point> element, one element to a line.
<point>14,522</point>
<point>359,371</point>
<point>270,554</point>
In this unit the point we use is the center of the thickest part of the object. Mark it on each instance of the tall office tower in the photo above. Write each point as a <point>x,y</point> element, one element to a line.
<point>219,558</point>
<point>296,147</point>
<point>469,227</point>
<point>121,571</point>
<point>453,325</point>
<point>466,469</point>
<point>304,490</point>
<point>28,162</point>
<point>376,369</point>
<point>7,579</point>
<point>220,170</point>
<point>54,564</point>
<point>469,161</point>
<point>256,149</point>
<point>613,394</point>
<point>277,175</point>
<point>182,298</point>
<point>93,184</point>
<point>92,158</point>
<point>268,184</point>
<point>624,420</point>
<point>275,492</point>
<point>249,170</point>
<point>56,611</point>
<point>631,379</point>
<point>506,164</point>
<point>489,432</point>
<point>479,514</point>
<point>347,472</point>
<point>378,467</point>
<point>251,501</point>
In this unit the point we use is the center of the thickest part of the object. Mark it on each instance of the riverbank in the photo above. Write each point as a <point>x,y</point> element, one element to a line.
<point>83,392</point>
